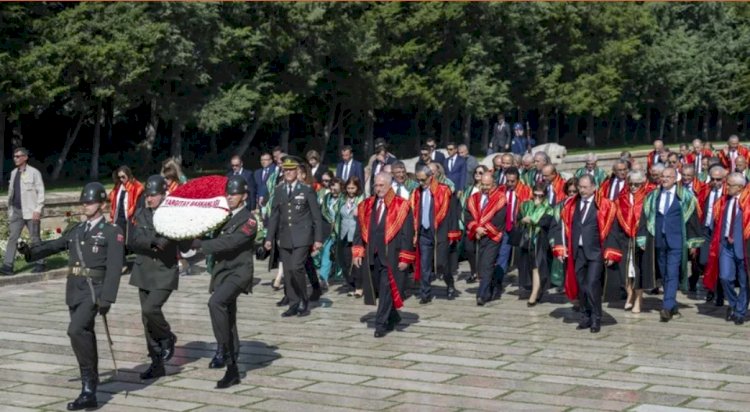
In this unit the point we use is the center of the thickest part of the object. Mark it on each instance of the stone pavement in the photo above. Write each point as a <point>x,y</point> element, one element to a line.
<point>447,356</point>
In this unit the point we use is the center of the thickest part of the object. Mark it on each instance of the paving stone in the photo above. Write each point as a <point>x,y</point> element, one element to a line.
<point>718,405</point>
<point>477,363</point>
<point>25,400</point>
<point>702,393</point>
<point>472,403</point>
<point>411,407</point>
<point>661,408</point>
<point>693,374</point>
<point>492,373</point>
<point>288,406</point>
<point>570,401</point>
<point>511,384</point>
<point>453,388</point>
<point>615,394</point>
<point>591,382</point>
<point>326,377</point>
<point>350,390</point>
<point>340,400</point>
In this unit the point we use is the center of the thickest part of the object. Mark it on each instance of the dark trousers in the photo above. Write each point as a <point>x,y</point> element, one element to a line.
<point>485,258</point>
<point>589,278</point>
<point>504,254</point>
<point>222,307</point>
<point>386,310</point>
<point>344,253</point>
<point>732,270</point>
<point>669,262</point>
<point>155,325</point>
<point>295,284</point>
<point>427,259</point>
<point>81,331</point>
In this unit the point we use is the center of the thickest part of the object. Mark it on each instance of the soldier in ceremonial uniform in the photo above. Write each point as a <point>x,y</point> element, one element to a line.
<point>155,274</point>
<point>95,250</point>
<point>232,273</point>
<point>296,224</point>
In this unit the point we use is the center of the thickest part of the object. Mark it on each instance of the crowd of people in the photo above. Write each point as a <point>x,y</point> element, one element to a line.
<point>386,233</point>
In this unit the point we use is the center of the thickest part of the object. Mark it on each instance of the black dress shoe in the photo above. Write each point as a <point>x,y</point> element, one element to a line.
<point>393,321</point>
<point>675,312</point>
<point>451,293</point>
<point>595,327</point>
<point>293,311</point>
<point>730,315</point>
<point>6,271</point>
<point>480,301</point>
<point>584,324</point>
<point>167,350</point>
<point>38,269</point>
<point>283,302</point>
<point>303,309</point>
<point>231,377</point>
<point>719,303</point>
<point>739,321</point>
<point>217,362</point>
<point>425,301</point>
<point>471,279</point>
<point>379,333</point>
<point>709,296</point>
<point>531,304</point>
<point>665,315</point>
<point>315,295</point>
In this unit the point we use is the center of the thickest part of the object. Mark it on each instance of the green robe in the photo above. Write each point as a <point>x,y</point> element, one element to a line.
<point>599,175</point>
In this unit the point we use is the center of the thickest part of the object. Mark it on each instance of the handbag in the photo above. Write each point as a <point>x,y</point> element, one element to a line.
<point>519,237</point>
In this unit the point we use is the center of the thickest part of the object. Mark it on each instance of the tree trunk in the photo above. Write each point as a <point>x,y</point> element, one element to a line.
<point>610,121</point>
<point>485,135</point>
<point>330,124</point>
<point>285,134</point>
<point>342,139</point>
<point>176,149</point>
<point>17,139</point>
<point>684,125</point>
<point>146,147</point>
<point>590,138</point>
<point>719,124</point>
<point>98,119</point>
<point>663,120</point>
<point>675,126</point>
<point>415,130</point>
<point>543,126</point>
<point>623,128</point>
<point>248,137</point>
<point>69,140</point>
<point>558,125</point>
<point>3,117</point>
<point>109,118</point>
<point>706,119</point>
<point>370,127</point>
<point>445,126</point>
<point>467,129</point>
<point>648,125</point>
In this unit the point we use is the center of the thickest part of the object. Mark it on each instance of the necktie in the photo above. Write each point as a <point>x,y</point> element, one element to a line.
<point>584,209</point>
<point>289,190</point>
<point>698,163</point>
<point>450,164</point>
<point>510,211</point>
<point>86,229</point>
<point>265,175</point>
<point>484,201</point>
<point>667,202</point>
<point>426,199</point>
<point>664,212</point>
<point>346,172</point>
<point>710,207</point>
<point>615,190</point>
<point>380,210</point>
<point>551,195</point>
<point>730,237</point>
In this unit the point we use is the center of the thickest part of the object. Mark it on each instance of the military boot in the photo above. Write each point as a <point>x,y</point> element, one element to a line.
<point>87,398</point>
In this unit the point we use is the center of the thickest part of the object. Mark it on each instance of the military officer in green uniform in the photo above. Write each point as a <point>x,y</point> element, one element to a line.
<point>232,273</point>
<point>155,274</point>
<point>296,223</point>
<point>95,250</point>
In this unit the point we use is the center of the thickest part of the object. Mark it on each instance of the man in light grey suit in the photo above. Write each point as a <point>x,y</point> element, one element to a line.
<point>25,203</point>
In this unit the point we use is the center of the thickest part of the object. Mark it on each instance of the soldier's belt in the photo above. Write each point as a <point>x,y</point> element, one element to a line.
<point>96,274</point>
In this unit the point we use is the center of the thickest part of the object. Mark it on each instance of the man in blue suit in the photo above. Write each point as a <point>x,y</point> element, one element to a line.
<point>455,167</point>
<point>349,167</point>
<point>732,250</point>
<point>436,156</point>
<point>267,167</point>
<point>237,169</point>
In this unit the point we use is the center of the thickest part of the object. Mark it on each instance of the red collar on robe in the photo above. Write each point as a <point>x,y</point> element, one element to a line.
<point>483,218</point>
<point>395,215</point>
<point>629,215</point>
<point>134,189</point>
<point>726,161</point>
<point>711,274</point>
<point>441,198</point>
<point>702,197</point>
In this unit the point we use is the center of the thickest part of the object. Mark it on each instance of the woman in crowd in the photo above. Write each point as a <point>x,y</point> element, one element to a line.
<point>471,188</point>
<point>535,254</point>
<point>346,223</point>
<point>329,204</point>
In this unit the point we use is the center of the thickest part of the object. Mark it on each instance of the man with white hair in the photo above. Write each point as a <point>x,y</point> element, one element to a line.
<point>534,176</point>
<point>728,156</point>
<point>656,156</point>
<point>669,232</point>
<point>729,249</point>
<point>696,156</point>
<point>384,241</point>
<point>591,169</point>
<point>707,199</point>
<point>612,187</point>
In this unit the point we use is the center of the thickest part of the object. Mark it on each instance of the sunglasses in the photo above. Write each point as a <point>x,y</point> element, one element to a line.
<point>478,173</point>
<point>122,177</point>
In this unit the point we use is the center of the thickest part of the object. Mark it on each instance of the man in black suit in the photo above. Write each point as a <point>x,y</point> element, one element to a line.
<point>296,223</point>
<point>380,160</point>
<point>232,274</point>
<point>501,137</point>
<point>435,156</point>
<point>424,158</point>
<point>455,168</point>
<point>349,167</point>
<point>587,220</point>
<point>261,176</point>
<point>316,168</point>
<point>238,169</point>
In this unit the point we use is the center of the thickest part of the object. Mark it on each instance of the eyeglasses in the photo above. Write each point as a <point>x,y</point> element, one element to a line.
<point>717,179</point>
<point>636,184</point>
<point>478,173</point>
<point>122,177</point>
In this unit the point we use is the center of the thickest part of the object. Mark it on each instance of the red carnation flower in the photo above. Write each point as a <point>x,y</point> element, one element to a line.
<point>58,230</point>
